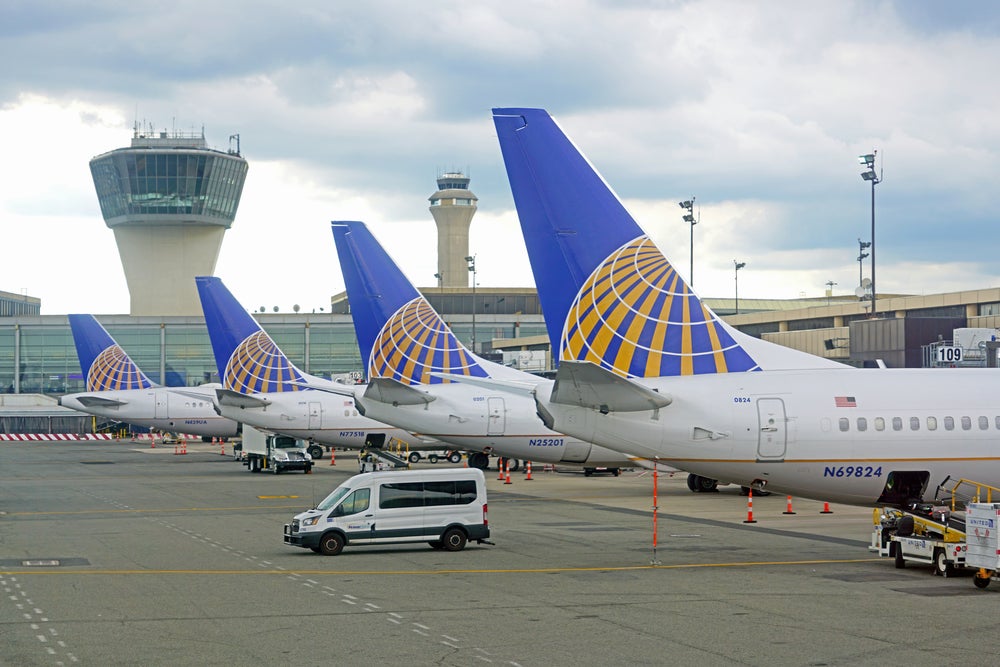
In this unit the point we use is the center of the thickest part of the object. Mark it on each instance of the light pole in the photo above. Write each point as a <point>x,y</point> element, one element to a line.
<point>869,175</point>
<point>738,266</point>
<point>862,245</point>
<point>688,206</point>
<point>471,261</point>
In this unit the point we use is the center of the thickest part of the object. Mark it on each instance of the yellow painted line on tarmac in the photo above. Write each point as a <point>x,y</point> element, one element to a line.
<point>277,497</point>
<point>153,511</point>
<point>530,570</point>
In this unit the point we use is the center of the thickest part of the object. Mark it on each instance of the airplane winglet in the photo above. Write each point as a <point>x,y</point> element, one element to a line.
<point>587,385</point>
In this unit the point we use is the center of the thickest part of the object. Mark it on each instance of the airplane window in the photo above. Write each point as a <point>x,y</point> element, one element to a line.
<point>914,423</point>
<point>879,424</point>
<point>845,423</point>
<point>347,413</point>
<point>949,423</point>
<point>997,419</point>
<point>984,423</point>
<point>862,424</point>
<point>897,423</point>
<point>932,423</point>
<point>966,423</point>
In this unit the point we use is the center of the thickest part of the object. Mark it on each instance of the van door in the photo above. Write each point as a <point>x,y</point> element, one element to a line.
<point>315,415</point>
<point>772,435</point>
<point>497,415</point>
<point>355,515</point>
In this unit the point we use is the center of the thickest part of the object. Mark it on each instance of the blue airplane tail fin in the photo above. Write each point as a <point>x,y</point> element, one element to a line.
<point>608,294</point>
<point>249,361</point>
<point>104,363</point>
<point>399,333</point>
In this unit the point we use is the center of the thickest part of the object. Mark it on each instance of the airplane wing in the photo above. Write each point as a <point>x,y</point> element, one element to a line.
<point>328,387</point>
<point>394,392</point>
<point>237,400</point>
<point>100,402</point>
<point>198,395</point>
<point>587,385</point>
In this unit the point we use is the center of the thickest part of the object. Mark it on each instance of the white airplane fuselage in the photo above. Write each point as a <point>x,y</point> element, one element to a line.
<point>324,418</point>
<point>843,435</point>
<point>186,410</point>
<point>494,422</point>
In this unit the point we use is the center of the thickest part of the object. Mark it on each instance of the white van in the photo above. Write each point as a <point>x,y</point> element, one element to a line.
<point>445,508</point>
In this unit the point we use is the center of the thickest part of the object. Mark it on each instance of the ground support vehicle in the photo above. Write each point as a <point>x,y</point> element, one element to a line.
<point>275,453</point>
<point>445,508</point>
<point>983,528</point>
<point>372,460</point>
<point>938,533</point>
<point>435,455</point>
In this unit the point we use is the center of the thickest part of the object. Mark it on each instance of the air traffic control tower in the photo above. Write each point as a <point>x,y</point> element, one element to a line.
<point>169,199</point>
<point>453,206</point>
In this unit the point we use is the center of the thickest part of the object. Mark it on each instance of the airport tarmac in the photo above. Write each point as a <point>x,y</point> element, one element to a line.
<point>114,553</point>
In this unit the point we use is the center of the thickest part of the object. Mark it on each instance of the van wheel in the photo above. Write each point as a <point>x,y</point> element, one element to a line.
<point>414,457</point>
<point>454,457</point>
<point>331,544</point>
<point>454,539</point>
<point>433,458</point>
<point>436,544</point>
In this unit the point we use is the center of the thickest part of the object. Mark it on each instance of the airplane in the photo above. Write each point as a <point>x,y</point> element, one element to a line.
<point>645,367</point>
<point>404,343</point>
<point>262,388</point>
<point>117,389</point>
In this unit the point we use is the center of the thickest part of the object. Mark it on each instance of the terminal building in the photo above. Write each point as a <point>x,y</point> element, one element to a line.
<point>174,190</point>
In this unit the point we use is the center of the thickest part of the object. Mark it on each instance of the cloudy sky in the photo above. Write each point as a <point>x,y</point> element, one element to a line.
<point>350,110</point>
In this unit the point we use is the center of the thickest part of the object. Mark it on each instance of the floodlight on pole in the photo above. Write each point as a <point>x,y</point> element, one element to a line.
<point>862,245</point>
<point>471,261</point>
<point>874,178</point>
<point>688,205</point>
<point>737,266</point>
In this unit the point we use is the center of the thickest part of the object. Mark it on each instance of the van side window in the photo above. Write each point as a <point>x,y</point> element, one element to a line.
<point>458,492</point>
<point>405,494</point>
<point>357,501</point>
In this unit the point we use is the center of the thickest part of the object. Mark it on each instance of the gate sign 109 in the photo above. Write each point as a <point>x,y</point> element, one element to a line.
<point>949,354</point>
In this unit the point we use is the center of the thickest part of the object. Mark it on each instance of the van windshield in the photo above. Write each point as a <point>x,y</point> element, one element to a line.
<point>334,498</point>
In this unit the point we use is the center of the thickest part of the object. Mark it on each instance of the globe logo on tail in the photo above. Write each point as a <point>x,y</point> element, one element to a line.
<point>113,369</point>
<point>636,317</point>
<point>414,343</point>
<point>257,366</point>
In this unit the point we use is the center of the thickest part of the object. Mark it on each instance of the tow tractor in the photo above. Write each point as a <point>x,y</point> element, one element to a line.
<point>937,533</point>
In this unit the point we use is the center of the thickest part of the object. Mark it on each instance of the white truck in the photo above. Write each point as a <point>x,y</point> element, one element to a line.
<point>266,451</point>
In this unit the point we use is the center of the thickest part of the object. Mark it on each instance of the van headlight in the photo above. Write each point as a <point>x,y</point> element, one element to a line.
<point>311,521</point>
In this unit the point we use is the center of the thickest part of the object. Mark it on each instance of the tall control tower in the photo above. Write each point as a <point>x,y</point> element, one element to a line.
<point>169,199</point>
<point>453,206</point>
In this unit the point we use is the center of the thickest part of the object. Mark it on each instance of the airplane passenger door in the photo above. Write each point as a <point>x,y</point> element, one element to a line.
<point>160,410</point>
<point>497,415</point>
<point>315,415</point>
<point>772,437</point>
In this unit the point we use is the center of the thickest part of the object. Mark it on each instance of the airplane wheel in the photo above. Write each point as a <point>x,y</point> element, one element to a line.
<point>707,484</point>
<point>514,464</point>
<point>479,460</point>
<point>692,483</point>
<point>315,451</point>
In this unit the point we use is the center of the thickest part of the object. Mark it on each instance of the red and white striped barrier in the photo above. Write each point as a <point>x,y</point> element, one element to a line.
<point>56,436</point>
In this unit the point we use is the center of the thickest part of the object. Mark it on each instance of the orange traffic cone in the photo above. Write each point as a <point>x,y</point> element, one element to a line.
<point>333,456</point>
<point>750,518</point>
<point>507,467</point>
<point>826,509</point>
<point>527,468</point>
<point>789,510</point>
<point>500,463</point>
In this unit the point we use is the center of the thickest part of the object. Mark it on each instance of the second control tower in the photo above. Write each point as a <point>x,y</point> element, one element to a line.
<point>453,206</point>
<point>169,199</point>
